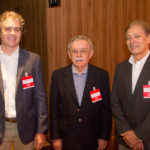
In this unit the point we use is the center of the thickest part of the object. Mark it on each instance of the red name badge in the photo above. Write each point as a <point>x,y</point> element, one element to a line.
<point>27,82</point>
<point>95,95</point>
<point>146,91</point>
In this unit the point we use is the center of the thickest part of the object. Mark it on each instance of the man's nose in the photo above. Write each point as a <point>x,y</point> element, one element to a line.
<point>132,40</point>
<point>12,31</point>
<point>79,53</point>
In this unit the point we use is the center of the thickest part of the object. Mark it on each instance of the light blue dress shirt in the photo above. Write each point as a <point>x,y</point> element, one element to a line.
<point>79,82</point>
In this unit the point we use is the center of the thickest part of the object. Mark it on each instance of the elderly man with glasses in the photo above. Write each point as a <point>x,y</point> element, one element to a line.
<point>80,115</point>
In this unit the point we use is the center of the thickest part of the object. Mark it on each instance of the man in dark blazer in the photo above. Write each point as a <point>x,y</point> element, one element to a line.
<point>80,115</point>
<point>23,104</point>
<point>131,91</point>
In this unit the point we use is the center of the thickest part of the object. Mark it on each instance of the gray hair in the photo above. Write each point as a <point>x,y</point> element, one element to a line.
<point>145,26</point>
<point>80,37</point>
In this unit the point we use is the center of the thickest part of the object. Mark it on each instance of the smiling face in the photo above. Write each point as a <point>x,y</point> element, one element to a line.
<point>10,35</point>
<point>80,54</point>
<point>137,41</point>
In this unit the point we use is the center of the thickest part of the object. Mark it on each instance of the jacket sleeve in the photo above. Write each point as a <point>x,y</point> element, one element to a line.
<point>121,123</point>
<point>54,99</point>
<point>106,118</point>
<point>40,99</point>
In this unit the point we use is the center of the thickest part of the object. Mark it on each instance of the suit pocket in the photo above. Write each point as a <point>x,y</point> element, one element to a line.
<point>30,119</point>
<point>64,126</point>
<point>145,100</point>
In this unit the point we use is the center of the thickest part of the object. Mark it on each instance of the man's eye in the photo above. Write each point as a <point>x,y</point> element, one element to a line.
<point>7,29</point>
<point>17,29</point>
<point>74,51</point>
<point>84,51</point>
<point>128,38</point>
<point>137,36</point>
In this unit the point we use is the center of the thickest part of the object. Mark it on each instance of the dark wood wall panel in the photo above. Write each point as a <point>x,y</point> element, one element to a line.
<point>35,38</point>
<point>103,21</point>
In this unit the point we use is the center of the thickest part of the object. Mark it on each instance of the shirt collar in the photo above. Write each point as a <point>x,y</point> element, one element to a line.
<point>143,60</point>
<point>14,53</point>
<point>74,70</point>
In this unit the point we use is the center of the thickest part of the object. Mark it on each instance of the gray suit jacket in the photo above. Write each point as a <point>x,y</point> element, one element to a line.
<point>31,103</point>
<point>131,111</point>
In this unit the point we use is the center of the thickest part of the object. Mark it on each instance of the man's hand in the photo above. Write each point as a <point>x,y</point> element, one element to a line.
<point>130,138</point>
<point>102,144</point>
<point>139,146</point>
<point>39,141</point>
<point>57,144</point>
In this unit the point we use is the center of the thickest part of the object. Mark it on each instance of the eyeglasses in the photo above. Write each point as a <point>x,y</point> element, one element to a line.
<point>81,51</point>
<point>9,29</point>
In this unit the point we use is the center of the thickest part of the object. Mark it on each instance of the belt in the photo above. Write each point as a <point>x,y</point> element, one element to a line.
<point>12,120</point>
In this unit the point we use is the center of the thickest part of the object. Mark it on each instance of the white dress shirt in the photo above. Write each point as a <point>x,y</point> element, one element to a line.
<point>137,68</point>
<point>9,66</point>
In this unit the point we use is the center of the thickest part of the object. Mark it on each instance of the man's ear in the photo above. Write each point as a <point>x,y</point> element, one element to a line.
<point>69,54</point>
<point>22,30</point>
<point>149,38</point>
<point>91,53</point>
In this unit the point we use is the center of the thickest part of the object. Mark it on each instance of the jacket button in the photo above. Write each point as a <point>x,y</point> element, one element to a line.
<point>78,109</point>
<point>79,120</point>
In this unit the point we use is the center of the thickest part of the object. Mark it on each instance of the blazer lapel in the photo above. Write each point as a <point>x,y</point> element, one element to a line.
<point>128,77</point>
<point>20,67</point>
<point>1,83</point>
<point>68,81</point>
<point>89,83</point>
<point>143,76</point>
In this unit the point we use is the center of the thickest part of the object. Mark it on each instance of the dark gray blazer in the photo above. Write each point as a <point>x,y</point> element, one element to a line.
<point>131,111</point>
<point>31,103</point>
<point>79,127</point>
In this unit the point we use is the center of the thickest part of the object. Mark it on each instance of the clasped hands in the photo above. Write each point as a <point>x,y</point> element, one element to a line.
<point>132,140</point>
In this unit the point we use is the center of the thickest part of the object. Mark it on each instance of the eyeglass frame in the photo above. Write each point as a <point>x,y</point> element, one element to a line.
<point>82,51</point>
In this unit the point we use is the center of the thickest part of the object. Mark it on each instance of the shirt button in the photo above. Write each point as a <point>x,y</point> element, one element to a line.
<point>79,120</point>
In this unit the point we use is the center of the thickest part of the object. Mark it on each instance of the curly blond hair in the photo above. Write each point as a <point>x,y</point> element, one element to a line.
<point>13,15</point>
